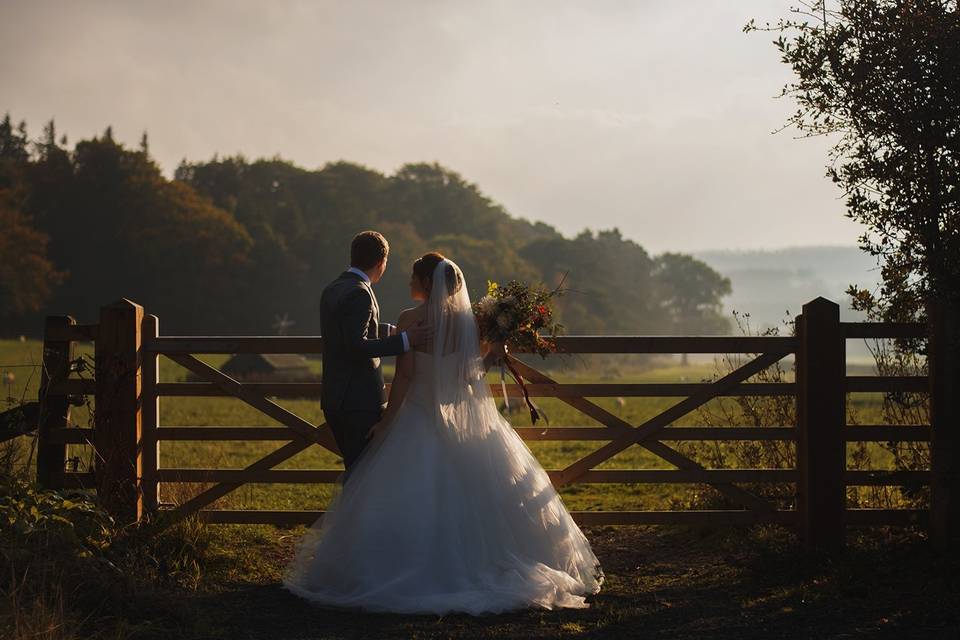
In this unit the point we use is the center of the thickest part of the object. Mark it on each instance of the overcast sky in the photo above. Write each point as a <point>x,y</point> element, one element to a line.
<point>654,116</point>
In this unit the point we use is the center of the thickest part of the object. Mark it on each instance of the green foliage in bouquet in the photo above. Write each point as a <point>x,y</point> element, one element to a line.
<point>520,315</point>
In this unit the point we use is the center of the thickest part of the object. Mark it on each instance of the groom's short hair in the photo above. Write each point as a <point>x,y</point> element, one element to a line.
<point>368,249</point>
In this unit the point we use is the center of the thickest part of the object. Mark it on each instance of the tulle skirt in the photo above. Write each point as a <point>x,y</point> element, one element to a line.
<point>429,523</point>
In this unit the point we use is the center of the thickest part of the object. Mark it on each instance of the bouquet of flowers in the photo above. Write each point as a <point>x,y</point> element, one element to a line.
<point>516,314</point>
<point>520,316</point>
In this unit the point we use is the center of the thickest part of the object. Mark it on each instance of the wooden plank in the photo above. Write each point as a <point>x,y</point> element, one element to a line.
<point>678,434</point>
<point>623,428</point>
<point>886,433</point>
<point>243,516</point>
<point>883,330</point>
<point>216,492</point>
<point>73,332</point>
<point>298,425</point>
<point>243,476</point>
<point>556,390</point>
<point>211,434</point>
<point>118,415</point>
<point>887,384</point>
<point>876,478</point>
<point>728,433</point>
<point>583,518</point>
<point>255,433</point>
<point>566,344</point>
<point>855,517</point>
<point>688,518</point>
<point>645,390</point>
<point>676,344</point>
<point>943,364</point>
<point>168,345</point>
<point>876,517</point>
<point>682,476</point>
<point>54,405</point>
<point>602,476</point>
<point>212,390</point>
<point>71,435</point>
<point>821,412</point>
<point>79,480</point>
<point>74,387</point>
<point>148,459</point>
<point>663,419</point>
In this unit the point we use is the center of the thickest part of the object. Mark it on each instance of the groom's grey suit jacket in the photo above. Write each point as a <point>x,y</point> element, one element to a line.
<point>353,343</point>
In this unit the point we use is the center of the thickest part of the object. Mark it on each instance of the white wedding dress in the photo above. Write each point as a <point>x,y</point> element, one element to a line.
<point>448,511</point>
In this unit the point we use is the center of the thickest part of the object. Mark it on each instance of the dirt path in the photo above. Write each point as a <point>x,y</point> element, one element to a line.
<point>658,585</point>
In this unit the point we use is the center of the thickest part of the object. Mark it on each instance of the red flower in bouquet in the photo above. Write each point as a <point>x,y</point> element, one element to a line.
<point>521,316</point>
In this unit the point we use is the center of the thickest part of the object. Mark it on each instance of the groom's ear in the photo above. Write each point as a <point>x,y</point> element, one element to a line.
<point>377,271</point>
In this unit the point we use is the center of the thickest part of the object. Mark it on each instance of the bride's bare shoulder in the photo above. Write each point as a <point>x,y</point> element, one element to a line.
<point>411,316</point>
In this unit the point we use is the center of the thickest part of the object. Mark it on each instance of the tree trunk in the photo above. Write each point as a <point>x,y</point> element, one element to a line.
<point>944,366</point>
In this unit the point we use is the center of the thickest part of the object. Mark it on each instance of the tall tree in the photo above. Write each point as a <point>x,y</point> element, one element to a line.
<point>883,78</point>
<point>27,276</point>
<point>692,294</point>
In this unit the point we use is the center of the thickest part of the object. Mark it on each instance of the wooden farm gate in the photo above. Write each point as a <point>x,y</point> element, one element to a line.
<point>127,430</point>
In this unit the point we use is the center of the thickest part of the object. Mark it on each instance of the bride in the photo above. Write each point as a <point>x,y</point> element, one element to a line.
<point>446,510</point>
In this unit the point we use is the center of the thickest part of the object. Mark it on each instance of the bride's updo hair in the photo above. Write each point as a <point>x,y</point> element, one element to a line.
<point>426,264</point>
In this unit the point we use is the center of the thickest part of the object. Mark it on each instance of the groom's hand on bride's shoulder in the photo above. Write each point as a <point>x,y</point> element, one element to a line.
<point>420,333</point>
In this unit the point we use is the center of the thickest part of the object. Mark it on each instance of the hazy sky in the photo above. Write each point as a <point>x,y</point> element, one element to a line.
<point>654,116</point>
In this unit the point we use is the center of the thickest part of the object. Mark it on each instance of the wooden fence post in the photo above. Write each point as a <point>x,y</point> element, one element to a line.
<point>148,459</point>
<point>821,416</point>
<point>118,411</point>
<point>943,362</point>
<point>54,408</point>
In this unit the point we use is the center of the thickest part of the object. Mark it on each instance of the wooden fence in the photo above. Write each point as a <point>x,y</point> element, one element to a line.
<point>127,430</point>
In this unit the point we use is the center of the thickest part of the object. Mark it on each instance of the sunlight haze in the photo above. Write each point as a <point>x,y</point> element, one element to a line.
<point>654,117</point>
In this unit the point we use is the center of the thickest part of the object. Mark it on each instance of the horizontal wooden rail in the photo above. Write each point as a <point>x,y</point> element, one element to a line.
<point>854,517</point>
<point>602,476</point>
<point>253,433</point>
<point>676,344</point>
<point>565,344</point>
<point>79,480</point>
<point>885,478</point>
<point>240,476</point>
<point>883,330</point>
<point>234,344</point>
<point>876,517</point>
<point>77,332</point>
<point>888,384</point>
<point>716,518</point>
<point>562,390</point>
<point>859,433</point>
<point>886,433</point>
<point>74,387</point>
<point>72,435</point>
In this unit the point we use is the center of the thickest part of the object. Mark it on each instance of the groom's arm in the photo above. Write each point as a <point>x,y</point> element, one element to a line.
<point>387,329</point>
<point>355,314</point>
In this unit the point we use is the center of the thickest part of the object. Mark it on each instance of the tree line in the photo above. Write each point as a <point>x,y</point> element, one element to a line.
<point>229,244</point>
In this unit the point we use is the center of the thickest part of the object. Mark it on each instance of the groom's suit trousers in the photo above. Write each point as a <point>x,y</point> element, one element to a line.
<point>350,428</point>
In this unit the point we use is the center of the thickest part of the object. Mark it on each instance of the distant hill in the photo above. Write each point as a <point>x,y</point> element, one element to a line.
<point>773,285</point>
<point>768,284</point>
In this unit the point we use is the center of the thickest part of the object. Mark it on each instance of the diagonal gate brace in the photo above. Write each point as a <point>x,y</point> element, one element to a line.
<point>643,434</point>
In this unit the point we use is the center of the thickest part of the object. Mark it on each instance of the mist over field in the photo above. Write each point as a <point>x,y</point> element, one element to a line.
<point>768,284</point>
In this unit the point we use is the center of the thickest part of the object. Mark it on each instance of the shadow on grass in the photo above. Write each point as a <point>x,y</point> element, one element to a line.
<point>660,584</point>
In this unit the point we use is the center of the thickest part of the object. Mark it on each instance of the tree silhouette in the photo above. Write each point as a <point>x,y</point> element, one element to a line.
<point>883,77</point>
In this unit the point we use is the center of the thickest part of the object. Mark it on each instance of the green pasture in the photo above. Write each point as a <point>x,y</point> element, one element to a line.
<point>23,358</point>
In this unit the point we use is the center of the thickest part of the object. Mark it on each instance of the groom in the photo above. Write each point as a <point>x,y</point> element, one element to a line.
<point>354,340</point>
